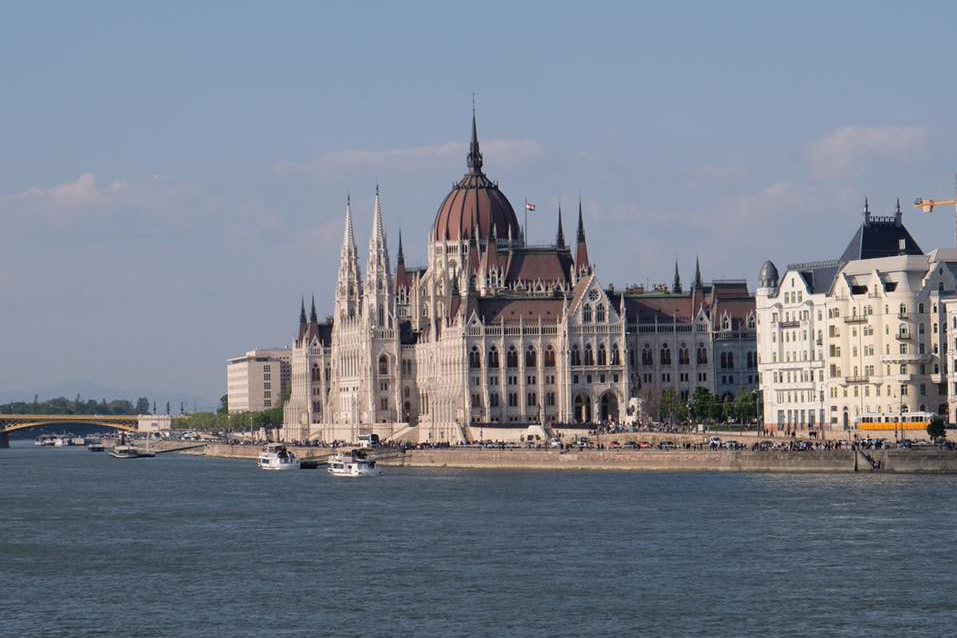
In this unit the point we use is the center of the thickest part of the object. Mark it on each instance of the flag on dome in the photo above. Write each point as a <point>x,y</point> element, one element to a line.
<point>529,206</point>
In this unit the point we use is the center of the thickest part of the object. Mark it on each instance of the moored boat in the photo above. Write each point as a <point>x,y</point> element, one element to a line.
<point>277,456</point>
<point>356,463</point>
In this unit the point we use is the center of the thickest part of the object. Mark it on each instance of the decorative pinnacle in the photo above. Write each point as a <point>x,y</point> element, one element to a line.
<point>560,238</point>
<point>474,159</point>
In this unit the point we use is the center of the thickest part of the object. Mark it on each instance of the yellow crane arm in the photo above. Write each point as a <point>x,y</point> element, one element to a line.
<point>927,205</point>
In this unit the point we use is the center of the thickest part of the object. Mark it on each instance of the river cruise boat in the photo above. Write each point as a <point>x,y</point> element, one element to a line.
<point>357,463</point>
<point>277,456</point>
<point>95,445</point>
<point>124,449</point>
<point>44,440</point>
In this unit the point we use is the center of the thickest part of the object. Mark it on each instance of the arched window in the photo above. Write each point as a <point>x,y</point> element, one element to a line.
<point>615,357</point>
<point>920,328</point>
<point>920,308</point>
<point>384,403</point>
<point>589,355</point>
<point>665,355</point>
<point>384,365</point>
<point>576,356</point>
<point>549,357</point>
<point>511,358</point>
<point>724,360</point>
<point>684,357</point>
<point>530,359</point>
<point>475,359</point>
<point>315,373</point>
<point>586,313</point>
<point>600,313</point>
<point>731,361</point>
<point>493,357</point>
<point>702,354</point>
<point>903,309</point>
<point>646,356</point>
<point>381,316</point>
<point>602,359</point>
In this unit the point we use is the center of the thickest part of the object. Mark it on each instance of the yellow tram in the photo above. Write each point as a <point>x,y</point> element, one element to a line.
<point>905,421</point>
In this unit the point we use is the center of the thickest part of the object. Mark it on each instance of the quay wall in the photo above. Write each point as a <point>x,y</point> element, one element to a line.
<point>679,460</point>
<point>932,460</point>
<point>224,450</point>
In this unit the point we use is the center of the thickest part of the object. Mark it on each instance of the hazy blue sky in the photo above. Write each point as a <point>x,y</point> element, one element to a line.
<point>173,175</point>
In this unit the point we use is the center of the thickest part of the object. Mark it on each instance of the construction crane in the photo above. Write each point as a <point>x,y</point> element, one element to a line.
<point>927,205</point>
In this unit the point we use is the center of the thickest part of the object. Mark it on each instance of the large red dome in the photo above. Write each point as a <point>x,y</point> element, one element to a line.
<point>475,206</point>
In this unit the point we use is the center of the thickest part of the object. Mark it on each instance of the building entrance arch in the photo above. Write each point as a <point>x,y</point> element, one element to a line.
<point>609,407</point>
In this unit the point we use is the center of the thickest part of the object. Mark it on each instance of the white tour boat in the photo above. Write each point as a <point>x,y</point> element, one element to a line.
<point>277,456</point>
<point>357,463</point>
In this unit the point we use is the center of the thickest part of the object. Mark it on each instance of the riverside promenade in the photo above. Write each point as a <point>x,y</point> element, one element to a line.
<point>923,460</point>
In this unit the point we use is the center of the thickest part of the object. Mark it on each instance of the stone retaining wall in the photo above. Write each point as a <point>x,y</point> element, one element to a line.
<point>678,460</point>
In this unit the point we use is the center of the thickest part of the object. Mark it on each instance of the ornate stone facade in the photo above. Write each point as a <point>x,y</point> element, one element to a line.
<point>499,337</point>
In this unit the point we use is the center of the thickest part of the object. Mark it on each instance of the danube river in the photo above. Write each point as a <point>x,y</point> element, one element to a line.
<point>181,546</point>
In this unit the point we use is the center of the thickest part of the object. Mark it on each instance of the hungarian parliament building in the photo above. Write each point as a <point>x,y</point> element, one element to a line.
<point>497,339</point>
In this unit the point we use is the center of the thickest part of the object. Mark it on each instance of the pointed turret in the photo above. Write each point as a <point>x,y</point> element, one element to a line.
<point>581,251</point>
<point>474,160</point>
<point>676,284</point>
<point>302,311</point>
<point>379,284</point>
<point>697,274</point>
<point>867,213</point>
<point>897,213</point>
<point>313,317</point>
<point>400,275</point>
<point>348,289</point>
<point>560,237</point>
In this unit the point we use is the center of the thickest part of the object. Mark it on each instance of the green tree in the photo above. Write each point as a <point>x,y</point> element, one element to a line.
<point>727,408</point>
<point>701,403</point>
<point>142,405</point>
<point>744,406</point>
<point>673,407</point>
<point>223,405</point>
<point>936,428</point>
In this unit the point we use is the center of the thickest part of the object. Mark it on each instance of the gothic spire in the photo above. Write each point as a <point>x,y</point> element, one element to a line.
<point>581,249</point>
<point>697,274</point>
<point>676,284</point>
<point>474,160</point>
<point>348,239</point>
<point>401,257</point>
<point>302,311</point>
<point>313,317</point>
<point>560,238</point>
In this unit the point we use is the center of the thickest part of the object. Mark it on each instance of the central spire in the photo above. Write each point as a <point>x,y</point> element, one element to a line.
<point>475,155</point>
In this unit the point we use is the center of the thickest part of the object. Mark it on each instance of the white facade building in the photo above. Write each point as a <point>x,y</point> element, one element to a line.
<point>495,338</point>
<point>864,334</point>
<point>256,380</point>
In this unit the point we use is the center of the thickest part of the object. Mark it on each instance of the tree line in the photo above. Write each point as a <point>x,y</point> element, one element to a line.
<point>223,420</point>
<point>703,406</point>
<point>62,405</point>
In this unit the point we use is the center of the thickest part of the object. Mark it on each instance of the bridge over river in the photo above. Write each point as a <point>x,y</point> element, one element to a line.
<point>128,422</point>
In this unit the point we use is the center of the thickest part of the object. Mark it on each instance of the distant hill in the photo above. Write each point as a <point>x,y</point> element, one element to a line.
<point>88,390</point>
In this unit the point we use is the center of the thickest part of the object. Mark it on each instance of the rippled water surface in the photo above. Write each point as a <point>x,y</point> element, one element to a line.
<point>183,547</point>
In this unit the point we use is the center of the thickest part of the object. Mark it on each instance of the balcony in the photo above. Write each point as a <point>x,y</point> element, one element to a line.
<point>905,358</point>
<point>902,315</point>
<point>857,379</point>
<point>855,319</point>
<point>789,324</point>
<point>903,336</point>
